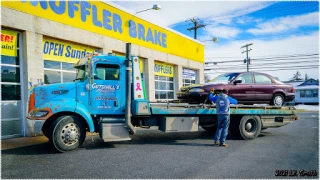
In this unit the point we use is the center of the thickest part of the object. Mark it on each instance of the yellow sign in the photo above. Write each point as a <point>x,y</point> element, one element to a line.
<point>102,18</point>
<point>162,69</point>
<point>9,43</point>
<point>56,50</point>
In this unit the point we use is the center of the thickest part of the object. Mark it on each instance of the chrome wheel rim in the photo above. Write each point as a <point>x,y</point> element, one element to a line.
<point>70,134</point>
<point>278,101</point>
<point>250,126</point>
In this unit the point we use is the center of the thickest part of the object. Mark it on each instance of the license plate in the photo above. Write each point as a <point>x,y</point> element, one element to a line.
<point>278,119</point>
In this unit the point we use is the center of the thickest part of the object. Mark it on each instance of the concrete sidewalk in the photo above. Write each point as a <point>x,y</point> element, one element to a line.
<point>22,142</point>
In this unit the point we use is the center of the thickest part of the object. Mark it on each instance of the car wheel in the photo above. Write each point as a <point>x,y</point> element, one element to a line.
<point>250,127</point>
<point>68,133</point>
<point>277,100</point>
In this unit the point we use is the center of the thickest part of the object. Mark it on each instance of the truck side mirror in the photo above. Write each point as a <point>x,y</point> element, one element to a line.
<point>237,81</point>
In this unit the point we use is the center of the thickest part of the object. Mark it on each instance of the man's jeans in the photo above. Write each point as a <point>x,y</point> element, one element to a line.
<point>222,130</point>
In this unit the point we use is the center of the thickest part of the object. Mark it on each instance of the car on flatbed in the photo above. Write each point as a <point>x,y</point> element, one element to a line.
<point>246,87</point>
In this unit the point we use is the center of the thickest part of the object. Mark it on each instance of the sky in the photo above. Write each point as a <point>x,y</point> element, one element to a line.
<point>284,35</point>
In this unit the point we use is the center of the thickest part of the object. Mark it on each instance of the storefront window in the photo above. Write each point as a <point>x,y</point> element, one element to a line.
<point>10,92</point>
<point>59,61</point>
<point>11,104</point>
<point>188,76</point>
<point>10,71</point>
<point>164,87</point>
<point>58,72</point>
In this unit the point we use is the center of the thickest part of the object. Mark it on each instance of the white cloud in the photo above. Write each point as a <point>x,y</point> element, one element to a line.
<point>222,32</point>
<point>308,44</point>
<point>247,20</point>
<point>286,23</point>
<point>173,12</point>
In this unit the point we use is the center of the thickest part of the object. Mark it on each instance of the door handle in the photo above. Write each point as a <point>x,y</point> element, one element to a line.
<point>115,103</point>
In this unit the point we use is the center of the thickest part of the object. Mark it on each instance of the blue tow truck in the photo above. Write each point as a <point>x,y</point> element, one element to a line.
<point>107,97</point>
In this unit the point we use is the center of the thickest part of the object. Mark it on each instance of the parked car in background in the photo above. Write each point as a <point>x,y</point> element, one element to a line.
<point>246,87</point>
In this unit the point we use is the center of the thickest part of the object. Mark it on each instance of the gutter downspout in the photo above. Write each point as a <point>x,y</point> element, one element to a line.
<point>128,63</point>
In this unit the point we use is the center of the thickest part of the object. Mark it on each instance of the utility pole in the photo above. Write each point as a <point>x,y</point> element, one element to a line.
<point>195,27</point>
<point>247,60</point>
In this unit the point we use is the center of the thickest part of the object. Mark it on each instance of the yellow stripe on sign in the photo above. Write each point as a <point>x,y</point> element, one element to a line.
<point>102,18</point>
<point>9,41</point>
<point>61,51</point>
<point>162,69</point>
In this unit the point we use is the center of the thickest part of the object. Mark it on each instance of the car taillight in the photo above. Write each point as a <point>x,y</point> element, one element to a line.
<point>31,102</point>
<point>292,90</point>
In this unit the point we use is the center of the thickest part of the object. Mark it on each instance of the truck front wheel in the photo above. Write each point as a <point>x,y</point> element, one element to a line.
<point>68,133</point>
<point>250,127</point>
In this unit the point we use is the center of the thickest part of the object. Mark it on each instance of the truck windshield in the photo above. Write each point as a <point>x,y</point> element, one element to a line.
<point>224,78</point>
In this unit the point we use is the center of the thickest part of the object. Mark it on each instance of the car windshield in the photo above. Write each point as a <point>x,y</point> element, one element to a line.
<point>224,78</point>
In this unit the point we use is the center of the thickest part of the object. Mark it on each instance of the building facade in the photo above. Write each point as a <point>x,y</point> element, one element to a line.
<point>307,92</point>
<point>42,40</point>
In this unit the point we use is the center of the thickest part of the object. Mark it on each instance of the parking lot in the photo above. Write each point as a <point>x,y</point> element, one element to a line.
<point>154,154</point>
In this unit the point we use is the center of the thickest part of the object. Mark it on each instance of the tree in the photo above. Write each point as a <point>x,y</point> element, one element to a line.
<point>46,79</point>
<point>296,77</point>
<point>306,77</point>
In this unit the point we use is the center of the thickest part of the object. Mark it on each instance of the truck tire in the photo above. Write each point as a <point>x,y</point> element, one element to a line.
<point>68,133</point>
<point>212,129</point>
<point>250,127</point>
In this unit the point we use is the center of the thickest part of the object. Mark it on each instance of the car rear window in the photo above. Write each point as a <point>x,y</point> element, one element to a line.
<point>262,79</point>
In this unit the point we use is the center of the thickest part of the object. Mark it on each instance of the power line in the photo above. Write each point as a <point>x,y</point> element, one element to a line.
<point>273,56</point>
<point>269,59</point>
<point>266,68</point>
<point>262,70</point>
<point>263,64</point>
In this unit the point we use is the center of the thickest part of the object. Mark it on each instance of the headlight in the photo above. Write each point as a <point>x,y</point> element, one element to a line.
<point>196,90</point>
<point>37,113</point>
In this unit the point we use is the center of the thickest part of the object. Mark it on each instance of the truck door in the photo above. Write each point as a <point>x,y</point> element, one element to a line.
<point>107,91</point>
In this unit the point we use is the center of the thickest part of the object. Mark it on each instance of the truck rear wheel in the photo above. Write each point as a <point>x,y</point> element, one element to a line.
<point>68,133</point>
<point>250,127</point>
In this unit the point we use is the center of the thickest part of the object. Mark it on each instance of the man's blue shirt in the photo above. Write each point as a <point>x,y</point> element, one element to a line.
<point>214,99</point>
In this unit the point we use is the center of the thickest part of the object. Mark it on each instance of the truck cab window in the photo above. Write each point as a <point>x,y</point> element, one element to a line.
<point>107,72</point>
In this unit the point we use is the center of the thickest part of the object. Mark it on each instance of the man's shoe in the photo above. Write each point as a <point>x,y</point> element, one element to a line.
<point>216,143</point>
<point>224,145</point>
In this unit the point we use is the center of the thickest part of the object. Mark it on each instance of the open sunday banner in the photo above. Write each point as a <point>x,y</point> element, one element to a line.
<point>56,50</point>
<point>9,43</point>
<point>102,18</point>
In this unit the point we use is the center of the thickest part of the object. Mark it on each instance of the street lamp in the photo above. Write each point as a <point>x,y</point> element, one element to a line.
<point>154,7</point>
<point>213,39</point>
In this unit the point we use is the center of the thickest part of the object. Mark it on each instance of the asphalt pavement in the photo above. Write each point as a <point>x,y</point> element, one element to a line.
<point>154,154</point>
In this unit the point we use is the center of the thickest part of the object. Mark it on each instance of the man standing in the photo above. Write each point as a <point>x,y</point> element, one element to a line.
<point>222,102</point>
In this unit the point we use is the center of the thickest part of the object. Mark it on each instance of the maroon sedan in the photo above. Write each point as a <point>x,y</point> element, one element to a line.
<point>246,87</point>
